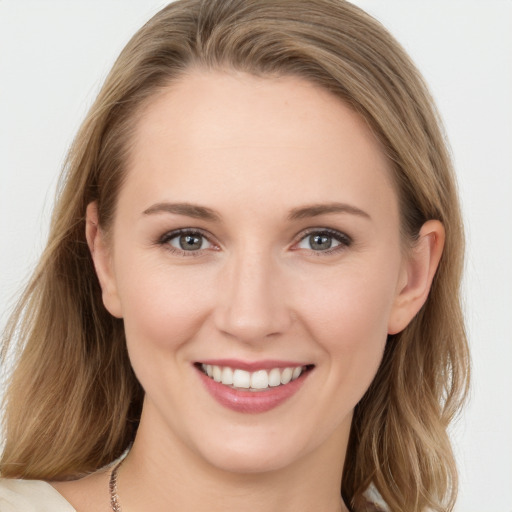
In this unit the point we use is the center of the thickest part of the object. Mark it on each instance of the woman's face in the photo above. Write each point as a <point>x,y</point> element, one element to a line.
<point>256,237</point>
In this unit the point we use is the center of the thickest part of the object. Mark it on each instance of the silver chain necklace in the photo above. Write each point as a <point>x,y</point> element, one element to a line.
<point>112,485</point>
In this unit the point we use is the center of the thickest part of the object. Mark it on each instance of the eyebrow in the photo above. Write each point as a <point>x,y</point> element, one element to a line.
<point>204,213</point>
<point>190,210</point>
<point>315,210</point>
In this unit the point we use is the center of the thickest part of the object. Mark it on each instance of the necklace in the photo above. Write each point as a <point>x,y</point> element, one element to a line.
<point>112,485</point>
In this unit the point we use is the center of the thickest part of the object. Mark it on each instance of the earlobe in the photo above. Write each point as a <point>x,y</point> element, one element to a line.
<point>419,270</point>
<point>102,260</point>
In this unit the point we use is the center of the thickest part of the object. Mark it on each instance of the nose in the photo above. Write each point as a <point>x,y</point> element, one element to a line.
<point>252,305</point>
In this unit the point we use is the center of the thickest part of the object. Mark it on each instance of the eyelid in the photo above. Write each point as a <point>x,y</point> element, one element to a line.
<point>344,239</point>
<point>169,235</point>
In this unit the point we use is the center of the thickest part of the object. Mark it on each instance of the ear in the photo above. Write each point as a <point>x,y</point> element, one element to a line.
<point>102,260</point>
<point>420,266</point>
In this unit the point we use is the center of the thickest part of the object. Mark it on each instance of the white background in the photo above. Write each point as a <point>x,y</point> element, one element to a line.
<point>55,54</point>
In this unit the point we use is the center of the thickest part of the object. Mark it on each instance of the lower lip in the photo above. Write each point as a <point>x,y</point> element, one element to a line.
<point>252,402</point>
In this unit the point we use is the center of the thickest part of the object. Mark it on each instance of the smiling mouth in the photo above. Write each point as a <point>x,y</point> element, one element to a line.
<point>260,380</point>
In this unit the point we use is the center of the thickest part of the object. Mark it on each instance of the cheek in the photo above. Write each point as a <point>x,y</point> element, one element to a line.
<point>351,307</point>
<point>163,306</point>
<point>348,316</point>
<point>163,310</point>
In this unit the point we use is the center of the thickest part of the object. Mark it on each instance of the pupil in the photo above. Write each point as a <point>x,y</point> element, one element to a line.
<point>190,242</point>
<point>320,242</point>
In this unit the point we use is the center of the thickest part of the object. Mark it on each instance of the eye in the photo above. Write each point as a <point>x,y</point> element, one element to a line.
<point>185,240</point>
<point>325,240</point>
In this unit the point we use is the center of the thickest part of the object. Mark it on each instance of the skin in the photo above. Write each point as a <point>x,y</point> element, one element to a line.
<point>253,151</point>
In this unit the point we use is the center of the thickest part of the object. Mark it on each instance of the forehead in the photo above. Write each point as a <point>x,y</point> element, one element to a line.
<point>234,134</point>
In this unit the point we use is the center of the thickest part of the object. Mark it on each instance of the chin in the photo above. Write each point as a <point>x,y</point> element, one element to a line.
<point>248,459</point>
<point>262,448</point>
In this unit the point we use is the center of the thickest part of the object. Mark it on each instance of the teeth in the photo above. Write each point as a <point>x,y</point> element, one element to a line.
<point>217,373</point>
<point>227,376</point>
<point>286,375</point>
<point>274,377</point>
<point>241,379</point>
<point>258,380</point>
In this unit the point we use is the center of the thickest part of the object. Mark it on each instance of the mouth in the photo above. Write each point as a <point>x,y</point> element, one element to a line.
<point>255,381</point>
<point>252,387</point>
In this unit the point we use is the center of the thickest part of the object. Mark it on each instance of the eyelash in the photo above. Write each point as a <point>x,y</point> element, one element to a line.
<point>167,237</point>
<point>344,241</point>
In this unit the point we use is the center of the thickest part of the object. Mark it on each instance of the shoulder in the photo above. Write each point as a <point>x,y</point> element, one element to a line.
<point>30,496</point>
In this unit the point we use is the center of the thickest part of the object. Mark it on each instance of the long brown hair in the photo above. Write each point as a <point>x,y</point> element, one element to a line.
<point>73,403</point>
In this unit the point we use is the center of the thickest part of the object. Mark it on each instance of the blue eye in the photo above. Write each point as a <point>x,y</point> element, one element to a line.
<point>186,240</point>
<point>323,241</point>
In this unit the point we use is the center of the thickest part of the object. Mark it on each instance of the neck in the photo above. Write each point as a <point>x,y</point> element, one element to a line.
<point>161,471</point>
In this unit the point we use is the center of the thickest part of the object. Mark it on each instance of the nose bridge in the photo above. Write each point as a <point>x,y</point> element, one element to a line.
<point>252,305</point>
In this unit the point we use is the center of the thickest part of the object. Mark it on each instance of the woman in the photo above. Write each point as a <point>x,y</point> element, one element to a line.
<point>251,280</point>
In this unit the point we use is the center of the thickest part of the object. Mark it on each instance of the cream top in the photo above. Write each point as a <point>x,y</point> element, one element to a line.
<point>31,496</point>
<point>40,496</point>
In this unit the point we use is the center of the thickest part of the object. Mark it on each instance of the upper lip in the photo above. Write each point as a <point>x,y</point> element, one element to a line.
<point>252,366</point>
